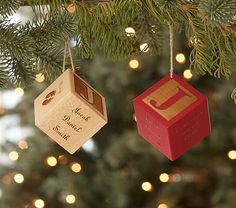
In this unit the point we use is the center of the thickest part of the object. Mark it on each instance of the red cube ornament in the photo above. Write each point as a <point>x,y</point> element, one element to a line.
<point>172,116</point>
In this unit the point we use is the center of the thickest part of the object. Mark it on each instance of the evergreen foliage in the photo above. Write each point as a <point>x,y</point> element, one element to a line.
<point>210,28</point>
<point>113,172</point>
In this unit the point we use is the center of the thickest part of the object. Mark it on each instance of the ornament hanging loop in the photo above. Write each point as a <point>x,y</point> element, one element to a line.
<point>171,50</point>
<point>67,47</point>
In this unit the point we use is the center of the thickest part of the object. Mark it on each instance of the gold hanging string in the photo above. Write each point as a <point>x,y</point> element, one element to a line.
<point>171,50</point>
<point>67,47</point>
<point>64,57</point>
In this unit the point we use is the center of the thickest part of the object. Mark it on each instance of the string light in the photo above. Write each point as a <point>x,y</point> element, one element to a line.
<point>188,74</point>
<point>39,203</point>
<point>232,154</point>
<point>129,31</point>
<point>40,77</point>
<point>19,178</point>
<point>75,167</point>
<point>164,177</point>
<point>13,155</point>
<point>70,199</point>
<point>146,186</point>
<point>144,47</point>
<point>162,206</point>
<point>51,161</point>
<point>19,91</point>
<point>180,58</point>
<point>22,144</point>
<point>133,64</point>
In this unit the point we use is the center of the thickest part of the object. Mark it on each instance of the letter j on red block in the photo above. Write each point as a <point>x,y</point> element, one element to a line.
<point>172,116</point>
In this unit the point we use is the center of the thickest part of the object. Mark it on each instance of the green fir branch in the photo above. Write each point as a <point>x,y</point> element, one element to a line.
<point>15,42</point>
<point>218,11</point>
<point>8,7</point>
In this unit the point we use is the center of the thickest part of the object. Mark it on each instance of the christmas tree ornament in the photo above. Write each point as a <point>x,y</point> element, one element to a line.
<point>70,111</point>
<point>172,115</point>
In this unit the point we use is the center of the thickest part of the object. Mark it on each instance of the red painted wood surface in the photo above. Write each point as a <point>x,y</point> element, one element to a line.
<point>172,116</point>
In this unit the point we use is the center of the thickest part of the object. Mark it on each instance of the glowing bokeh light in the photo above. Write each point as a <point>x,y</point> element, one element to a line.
<point>51,161</point>
<point>39,203</point>
<point>180,58</point>
<point>164,177</point>
<point>232,154</point>
<point>19,178</point>
<point>19,92</point>
<point>70,199</point>
<point>162,206</point>
<point>22,144</point>
<point>146,186</point>
<point>129,31</point>
<point>133,64</point>
<point>40,77</point>
<point>188,74</point>
<point>75,167</point>
<point>13,155</point>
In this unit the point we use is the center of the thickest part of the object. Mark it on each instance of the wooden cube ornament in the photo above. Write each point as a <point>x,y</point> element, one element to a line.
<point>172,116</point>
<point>70,111</point>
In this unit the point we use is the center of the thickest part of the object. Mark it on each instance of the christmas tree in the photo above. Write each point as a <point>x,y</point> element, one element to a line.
<point>127,46</point>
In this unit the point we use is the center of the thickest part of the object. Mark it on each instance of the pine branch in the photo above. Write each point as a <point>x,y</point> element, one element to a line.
<point>15,42</point>
<point>8,7</point>
<point>218,12</point>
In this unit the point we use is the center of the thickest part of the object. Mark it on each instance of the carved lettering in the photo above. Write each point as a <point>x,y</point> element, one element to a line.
<point>78,112</point>
<point>66,119</point>
<point>58,131</point>
<point>88,94</point>
<point>170,99</point>
<point>167,104</point>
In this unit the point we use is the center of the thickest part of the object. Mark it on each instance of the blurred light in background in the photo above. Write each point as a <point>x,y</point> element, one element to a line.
<point>133,64</point>
<point>75,167</point>
<point>22,144</point>
<point>19,178</point>
<point>89,146</point>
<point>162,206</point>
<point>19,92</point>
<point>232,154</point>
<point>51,161</point>
<point>39,203</point>
<point>175,178</point>
<point>180,58</point>
<point>71,8</point>
<point>164,177</point>
<point>39,77</point>
<point>146,186</point>
<point>130,31</point>
<point>70,199</point>
<point>13,155</point>
<point>188,74</point>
